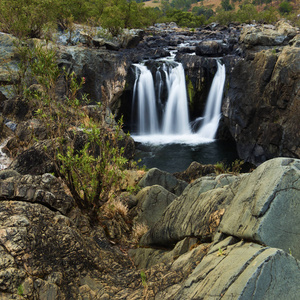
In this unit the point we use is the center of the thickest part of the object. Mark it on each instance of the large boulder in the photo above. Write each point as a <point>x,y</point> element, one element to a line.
<point>196,213</point>
<point>266,206</point>
<point>152,201</point>
<point>243,271</point>
<point>262,207</point>
<point>169,182</point>
<point>212,48</point>
<point>266,35</point>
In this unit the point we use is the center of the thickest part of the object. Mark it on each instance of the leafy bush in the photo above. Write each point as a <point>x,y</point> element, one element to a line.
<point>25,17</point>
<point>93,168</point>
<point>285,8</point>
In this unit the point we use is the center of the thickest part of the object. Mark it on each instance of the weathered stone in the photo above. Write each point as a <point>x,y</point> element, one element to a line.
<point>262,114</point>
<point>241,271</point>
<point>266,206</point>
<point>264,36</point>
<point>166,180</point>
<point>152,201</point>
<point>196,213</point>
<point>212,48</point>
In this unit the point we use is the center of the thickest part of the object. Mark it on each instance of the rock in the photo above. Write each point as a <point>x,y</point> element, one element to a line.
<point>252,36</point>
<point>146,257</point>
<point>6,173</point>
<point>196,213</point>
<point>169,182</point>
<point>8,63</point>
<point>195,171</point>
<point>112,46</point>
<point>45,189</point>
<point>266,206</point>
<point>34,160</point>
<point>295,42</point>
<point>212,48</point>
<point>98,42</point>
<point>261,115</point>
<point>241,271</point>
<point>152,201</point>
<point>130,41</point>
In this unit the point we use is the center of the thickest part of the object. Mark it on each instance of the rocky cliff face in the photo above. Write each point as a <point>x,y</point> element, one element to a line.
<point>262,101</point>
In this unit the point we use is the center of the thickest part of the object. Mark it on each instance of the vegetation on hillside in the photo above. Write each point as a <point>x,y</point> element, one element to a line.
<point>34,18</point>
<point>85,151</point>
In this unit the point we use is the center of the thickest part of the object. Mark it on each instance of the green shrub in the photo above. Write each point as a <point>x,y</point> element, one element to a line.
<point>92,170</point>
<point>285,8</point>
<point>25,18</point>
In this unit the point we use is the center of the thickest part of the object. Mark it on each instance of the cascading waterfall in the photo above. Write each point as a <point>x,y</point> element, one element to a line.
<point>213,106</point>
<point>176,117</point>
<point>167,121</point>
<point>147,111</point>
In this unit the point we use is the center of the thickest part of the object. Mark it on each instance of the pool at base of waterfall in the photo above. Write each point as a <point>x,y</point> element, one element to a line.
<point>177,157</point>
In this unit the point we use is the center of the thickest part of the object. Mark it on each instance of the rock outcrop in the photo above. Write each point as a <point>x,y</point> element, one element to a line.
<point>262,100</point>
<point>222,230</point>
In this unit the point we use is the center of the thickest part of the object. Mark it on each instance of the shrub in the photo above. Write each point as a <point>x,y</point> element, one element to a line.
<point>92,169</point>
<point>285,8</point>
<point>25,18</point>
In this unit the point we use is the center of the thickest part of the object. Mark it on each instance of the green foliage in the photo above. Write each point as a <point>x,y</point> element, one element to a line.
<point>269,15</point>
<point>91,170</point>
<point>25,17</point>
<point>144,278</point>
<point>224,17</point>
<point>226,5</point>
<point>185,19</point>
<point>235,168</point>
<point>31,18</point>
<point>247,13</point>
<point>20,290</point>
<point>182,4</point>
<point>202,10</point>
<point>285,8</point>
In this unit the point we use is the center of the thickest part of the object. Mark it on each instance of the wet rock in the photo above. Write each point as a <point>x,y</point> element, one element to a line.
<point>262,104</point>
<point>212,48</point>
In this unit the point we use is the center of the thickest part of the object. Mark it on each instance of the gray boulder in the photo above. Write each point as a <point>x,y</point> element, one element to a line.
<point>266,35</point>
<point>152,201</point>
<point>169,182</point>
<point>196,213</point>
<point>212,48</point>
<point>243,271</point>
<point>266,206</point>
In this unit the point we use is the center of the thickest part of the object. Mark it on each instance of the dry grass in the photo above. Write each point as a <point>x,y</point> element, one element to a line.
<point>138,230</point>
<point>113,207</point>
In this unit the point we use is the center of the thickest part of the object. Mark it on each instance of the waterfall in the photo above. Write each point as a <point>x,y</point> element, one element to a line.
<point>213,106</point>
<point>167,120</point>
<point>147,111</point>
<point>176,117</point>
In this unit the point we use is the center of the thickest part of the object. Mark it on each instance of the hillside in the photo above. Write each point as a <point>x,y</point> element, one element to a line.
<point>214,4</point>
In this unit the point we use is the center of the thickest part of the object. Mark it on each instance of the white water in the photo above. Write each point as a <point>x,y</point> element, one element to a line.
<point>176,116</point>
<point>213,105</point>
<point>175,124</point>
<point>147,111</point>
